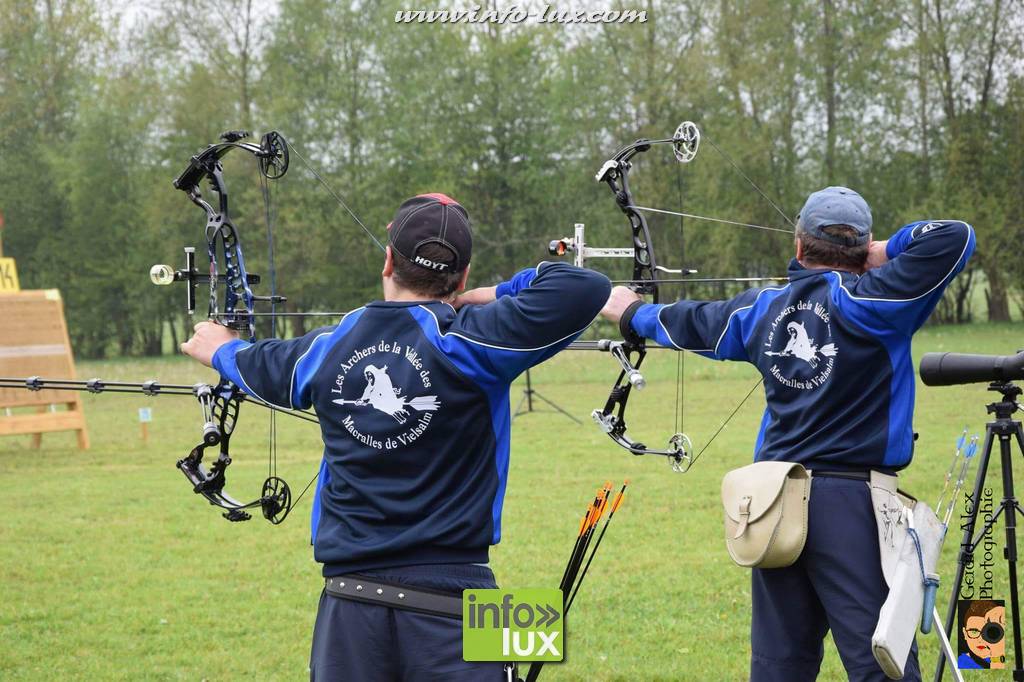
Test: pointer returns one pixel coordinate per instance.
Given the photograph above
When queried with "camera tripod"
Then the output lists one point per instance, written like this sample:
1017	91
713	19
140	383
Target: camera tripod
529	393
1005	428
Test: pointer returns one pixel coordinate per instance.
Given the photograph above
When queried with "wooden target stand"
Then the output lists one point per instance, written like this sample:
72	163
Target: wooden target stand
34	342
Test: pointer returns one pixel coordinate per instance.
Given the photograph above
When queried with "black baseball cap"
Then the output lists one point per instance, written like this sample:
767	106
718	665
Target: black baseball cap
432	219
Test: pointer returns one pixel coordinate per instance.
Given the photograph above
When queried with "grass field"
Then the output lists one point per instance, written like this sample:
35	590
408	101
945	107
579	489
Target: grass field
112	569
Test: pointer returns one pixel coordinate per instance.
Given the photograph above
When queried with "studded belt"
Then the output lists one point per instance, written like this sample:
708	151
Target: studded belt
368	590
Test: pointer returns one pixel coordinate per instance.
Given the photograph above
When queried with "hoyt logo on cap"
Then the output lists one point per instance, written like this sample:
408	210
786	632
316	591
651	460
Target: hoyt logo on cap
432	219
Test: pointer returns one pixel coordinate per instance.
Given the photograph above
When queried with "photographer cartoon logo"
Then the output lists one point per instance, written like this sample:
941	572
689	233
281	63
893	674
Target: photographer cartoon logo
389	379
982	634
801	337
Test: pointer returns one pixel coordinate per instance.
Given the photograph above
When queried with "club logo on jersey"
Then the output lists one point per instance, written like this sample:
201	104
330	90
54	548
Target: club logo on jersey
800	345
381	394
412	413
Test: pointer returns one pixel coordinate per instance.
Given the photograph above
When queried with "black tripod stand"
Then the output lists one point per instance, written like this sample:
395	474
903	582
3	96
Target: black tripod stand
1005	428
529	394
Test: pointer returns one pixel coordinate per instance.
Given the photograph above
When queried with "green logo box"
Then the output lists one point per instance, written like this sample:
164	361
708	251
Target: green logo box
513	625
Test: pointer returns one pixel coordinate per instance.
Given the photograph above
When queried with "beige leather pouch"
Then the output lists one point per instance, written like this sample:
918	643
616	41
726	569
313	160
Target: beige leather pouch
766	513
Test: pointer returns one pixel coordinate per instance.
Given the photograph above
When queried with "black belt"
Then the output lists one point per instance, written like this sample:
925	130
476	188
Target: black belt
360	588
851	475
856	476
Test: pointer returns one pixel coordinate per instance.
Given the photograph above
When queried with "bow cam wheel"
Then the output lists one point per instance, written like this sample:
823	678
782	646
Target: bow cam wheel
276	501
686	141
681	452
274	158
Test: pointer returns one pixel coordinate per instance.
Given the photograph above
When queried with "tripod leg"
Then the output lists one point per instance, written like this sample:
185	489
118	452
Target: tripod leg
947	648
529	392
557	408
519	408
966	547
1010	504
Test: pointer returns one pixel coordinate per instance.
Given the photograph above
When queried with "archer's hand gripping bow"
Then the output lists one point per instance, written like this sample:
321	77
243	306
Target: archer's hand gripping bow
220	404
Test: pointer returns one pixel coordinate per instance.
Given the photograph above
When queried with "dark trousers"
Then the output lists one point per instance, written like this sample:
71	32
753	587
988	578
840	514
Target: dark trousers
836	584
356	642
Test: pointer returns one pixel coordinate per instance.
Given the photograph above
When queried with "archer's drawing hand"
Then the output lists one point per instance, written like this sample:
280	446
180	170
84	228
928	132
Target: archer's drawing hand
208	337
620	299
876	255
479	296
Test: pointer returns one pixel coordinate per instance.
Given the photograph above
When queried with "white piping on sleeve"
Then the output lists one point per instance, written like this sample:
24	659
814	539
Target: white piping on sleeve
490	345
727	323
733	313
967	242
671	340
291	383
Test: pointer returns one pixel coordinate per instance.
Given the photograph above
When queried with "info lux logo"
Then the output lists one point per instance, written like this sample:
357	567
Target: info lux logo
512	625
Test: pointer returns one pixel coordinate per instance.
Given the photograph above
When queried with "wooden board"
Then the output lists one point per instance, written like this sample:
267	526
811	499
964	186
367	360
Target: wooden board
34	342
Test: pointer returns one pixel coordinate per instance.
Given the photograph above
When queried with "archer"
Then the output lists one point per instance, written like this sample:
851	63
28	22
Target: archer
412	393
833	348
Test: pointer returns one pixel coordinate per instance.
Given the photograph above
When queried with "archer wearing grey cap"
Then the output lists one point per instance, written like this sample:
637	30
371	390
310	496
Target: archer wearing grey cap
833	348
834	228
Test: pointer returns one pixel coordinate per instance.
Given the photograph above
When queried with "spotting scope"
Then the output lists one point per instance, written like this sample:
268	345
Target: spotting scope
950	369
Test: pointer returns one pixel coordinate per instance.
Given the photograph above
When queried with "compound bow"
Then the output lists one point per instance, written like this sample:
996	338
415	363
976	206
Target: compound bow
220	404
632	349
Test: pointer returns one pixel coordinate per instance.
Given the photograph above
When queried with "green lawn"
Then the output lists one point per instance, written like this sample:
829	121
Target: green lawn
112	569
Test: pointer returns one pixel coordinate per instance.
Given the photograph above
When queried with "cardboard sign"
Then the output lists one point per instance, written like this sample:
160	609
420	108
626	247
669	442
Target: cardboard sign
8	276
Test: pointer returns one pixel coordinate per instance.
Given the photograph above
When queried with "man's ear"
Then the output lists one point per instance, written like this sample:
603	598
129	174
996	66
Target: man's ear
799	249
389	263
465	278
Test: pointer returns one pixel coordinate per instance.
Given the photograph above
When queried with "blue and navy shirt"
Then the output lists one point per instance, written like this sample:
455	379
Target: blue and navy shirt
413	401
833	348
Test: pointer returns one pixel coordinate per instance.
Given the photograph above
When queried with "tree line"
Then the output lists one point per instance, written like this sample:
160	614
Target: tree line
918	104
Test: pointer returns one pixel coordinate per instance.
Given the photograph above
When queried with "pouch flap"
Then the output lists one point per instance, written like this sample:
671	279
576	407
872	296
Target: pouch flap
762	482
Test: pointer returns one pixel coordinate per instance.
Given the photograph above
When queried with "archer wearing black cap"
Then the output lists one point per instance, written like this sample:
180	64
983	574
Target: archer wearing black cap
430	246
412	393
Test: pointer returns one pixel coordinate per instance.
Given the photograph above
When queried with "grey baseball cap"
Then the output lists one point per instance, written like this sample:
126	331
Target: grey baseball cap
836	206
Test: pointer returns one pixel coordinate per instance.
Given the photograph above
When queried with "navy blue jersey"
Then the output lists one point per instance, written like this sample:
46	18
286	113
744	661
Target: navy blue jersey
413	401
833	348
